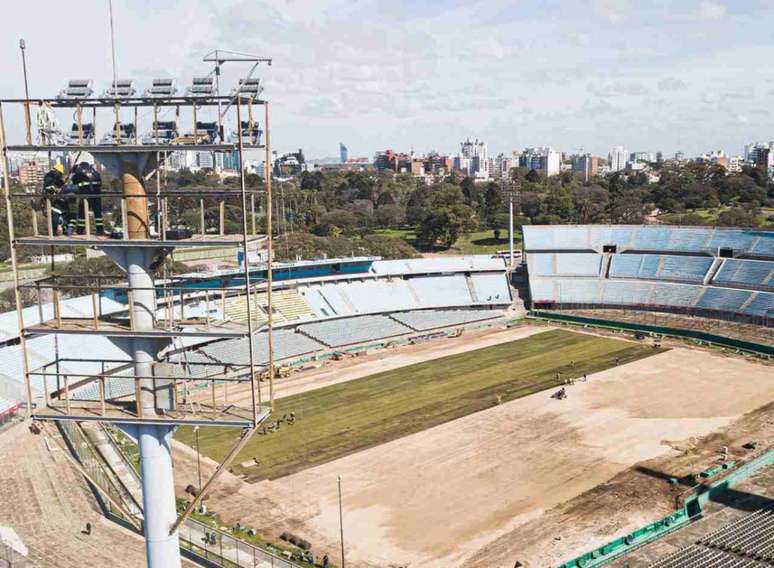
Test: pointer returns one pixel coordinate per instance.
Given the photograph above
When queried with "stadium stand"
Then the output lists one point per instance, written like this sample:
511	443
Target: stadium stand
746	273
660	267
491	289
683	269
287	343
8	408
594	238
439	265
747	541
375	296
288	306
441	291
424	320
70	308
580	264
337	333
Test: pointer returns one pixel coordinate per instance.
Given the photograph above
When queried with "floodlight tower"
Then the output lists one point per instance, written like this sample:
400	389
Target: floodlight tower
160	399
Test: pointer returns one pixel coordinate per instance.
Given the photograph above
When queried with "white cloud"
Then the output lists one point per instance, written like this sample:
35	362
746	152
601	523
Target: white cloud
711	11
614	10
671	84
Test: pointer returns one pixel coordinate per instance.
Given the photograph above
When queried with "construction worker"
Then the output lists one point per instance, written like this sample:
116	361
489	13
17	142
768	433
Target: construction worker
88	181
53	184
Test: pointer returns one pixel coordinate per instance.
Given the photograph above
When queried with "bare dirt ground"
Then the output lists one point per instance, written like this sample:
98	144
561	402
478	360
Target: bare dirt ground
500	485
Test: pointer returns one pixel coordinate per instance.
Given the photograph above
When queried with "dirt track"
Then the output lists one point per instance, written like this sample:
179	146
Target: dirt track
454	495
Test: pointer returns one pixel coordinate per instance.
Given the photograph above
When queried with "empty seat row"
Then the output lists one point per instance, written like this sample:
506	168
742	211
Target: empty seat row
341	332
660	267
287	343
438	264
424	320
757	273
572	264
648	238
654	294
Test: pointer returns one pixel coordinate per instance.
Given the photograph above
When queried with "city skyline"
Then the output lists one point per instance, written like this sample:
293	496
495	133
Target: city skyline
655	76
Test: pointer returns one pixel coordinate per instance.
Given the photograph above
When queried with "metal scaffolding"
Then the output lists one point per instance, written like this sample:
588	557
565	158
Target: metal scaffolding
165	394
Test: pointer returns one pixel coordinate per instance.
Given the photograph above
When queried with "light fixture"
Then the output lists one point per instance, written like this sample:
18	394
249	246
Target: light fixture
250	87
161	88
121	89
77	89
202	87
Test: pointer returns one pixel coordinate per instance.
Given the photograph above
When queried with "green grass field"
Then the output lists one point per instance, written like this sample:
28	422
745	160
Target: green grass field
338	420
480	242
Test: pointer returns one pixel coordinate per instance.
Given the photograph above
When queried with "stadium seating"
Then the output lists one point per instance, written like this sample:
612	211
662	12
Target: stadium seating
441	291
376	296
438	265
7	407
491	288
723	299
746	273
424	320
589	238
287	343
288	306
660	267
562	269
576	264
338	333
317	301
747	541
762	305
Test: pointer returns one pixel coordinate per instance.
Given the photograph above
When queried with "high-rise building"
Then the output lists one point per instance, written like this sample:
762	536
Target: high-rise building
343	153
542	159
617	158
645	157
734	164
752	151
585	165
473	159
31	174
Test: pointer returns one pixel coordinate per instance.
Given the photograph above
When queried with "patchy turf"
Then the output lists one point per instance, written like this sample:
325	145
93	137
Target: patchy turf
348	417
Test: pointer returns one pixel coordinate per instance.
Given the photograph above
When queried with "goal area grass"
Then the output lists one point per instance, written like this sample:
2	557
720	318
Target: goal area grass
337	420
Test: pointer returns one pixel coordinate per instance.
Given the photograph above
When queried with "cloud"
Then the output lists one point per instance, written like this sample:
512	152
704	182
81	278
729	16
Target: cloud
711	11
614	10
671	84
618	89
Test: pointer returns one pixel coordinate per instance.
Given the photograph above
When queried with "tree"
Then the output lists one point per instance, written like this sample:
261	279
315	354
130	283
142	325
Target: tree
336	222
448	217
737	217
493	204
533	176
389	216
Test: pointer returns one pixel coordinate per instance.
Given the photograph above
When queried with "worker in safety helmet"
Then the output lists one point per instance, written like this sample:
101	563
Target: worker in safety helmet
87	180
53	185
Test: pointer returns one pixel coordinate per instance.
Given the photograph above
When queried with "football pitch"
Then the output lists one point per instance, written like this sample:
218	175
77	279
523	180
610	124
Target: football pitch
348	417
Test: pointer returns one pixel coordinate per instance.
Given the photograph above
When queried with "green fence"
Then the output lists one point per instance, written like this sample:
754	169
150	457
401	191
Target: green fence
690	511
697	336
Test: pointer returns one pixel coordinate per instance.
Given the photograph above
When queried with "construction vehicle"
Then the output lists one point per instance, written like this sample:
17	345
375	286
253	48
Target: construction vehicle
280	372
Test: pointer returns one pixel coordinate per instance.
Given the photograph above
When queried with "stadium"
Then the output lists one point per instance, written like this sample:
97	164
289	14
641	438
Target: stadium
426	392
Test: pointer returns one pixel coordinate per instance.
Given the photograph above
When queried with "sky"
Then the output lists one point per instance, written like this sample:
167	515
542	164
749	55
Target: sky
688	75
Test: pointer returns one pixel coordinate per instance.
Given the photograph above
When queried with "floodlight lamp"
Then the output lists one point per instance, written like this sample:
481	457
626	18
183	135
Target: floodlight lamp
77	89
121	89
161	88
202	87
